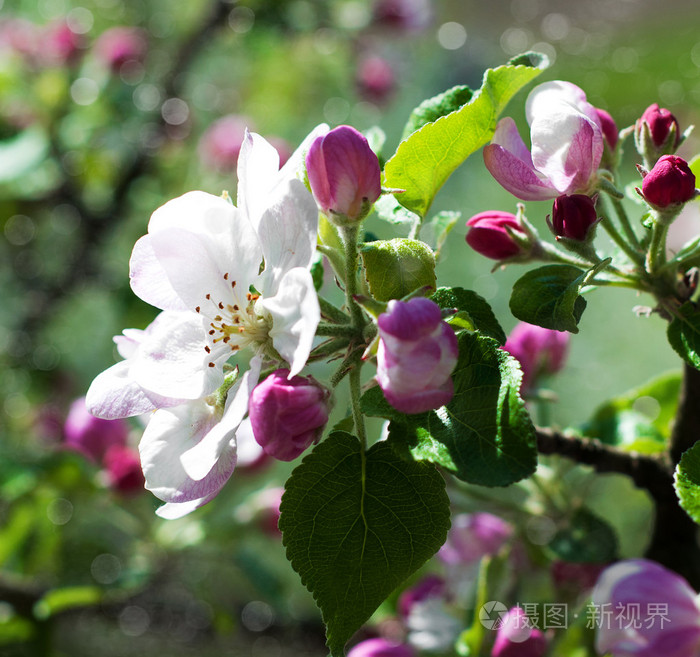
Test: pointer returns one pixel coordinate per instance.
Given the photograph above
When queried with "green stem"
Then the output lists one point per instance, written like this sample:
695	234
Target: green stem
331	312
355	393
350	234
608	225
656	255
346	330
626	225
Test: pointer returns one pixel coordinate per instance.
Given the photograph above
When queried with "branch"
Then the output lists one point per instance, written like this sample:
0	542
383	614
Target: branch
650	472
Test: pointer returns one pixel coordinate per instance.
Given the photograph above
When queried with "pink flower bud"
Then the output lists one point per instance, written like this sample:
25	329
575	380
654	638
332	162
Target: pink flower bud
540	351
287	415
123	468
660	122
381	648
375	79
90	435
608	126
221	142
654	612
670	182
402	15
573	216
488	235
119	45
517	637
431	586
473	536
343	173
416	355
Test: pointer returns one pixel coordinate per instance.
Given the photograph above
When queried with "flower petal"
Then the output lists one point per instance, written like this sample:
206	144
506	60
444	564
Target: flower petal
287	232
148	279
114	394
295	316
258	168
169	434
172	360
199	461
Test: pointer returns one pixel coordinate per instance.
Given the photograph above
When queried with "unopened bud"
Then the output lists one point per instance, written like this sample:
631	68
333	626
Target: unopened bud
573	216
344	174
489	235
670	182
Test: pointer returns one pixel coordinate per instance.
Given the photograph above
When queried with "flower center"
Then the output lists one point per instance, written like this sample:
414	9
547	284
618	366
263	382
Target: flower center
234	322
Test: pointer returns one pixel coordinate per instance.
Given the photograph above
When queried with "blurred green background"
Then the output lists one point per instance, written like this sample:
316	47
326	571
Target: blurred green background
88	151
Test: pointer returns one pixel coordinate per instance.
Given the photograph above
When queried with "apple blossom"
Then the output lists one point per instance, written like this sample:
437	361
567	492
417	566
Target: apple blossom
491	234
567	145
473	536
416	355
123	470
670	182
517	637
92	436
573	216
662	125
643	585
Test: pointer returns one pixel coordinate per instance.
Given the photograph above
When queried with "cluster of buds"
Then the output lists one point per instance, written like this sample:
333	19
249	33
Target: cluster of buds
104	442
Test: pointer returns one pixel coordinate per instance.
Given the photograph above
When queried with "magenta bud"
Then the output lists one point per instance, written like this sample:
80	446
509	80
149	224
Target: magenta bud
119	45
660	122
287	415
517	637
344	174
90	435
402	15
608	126
123	468
670	182
431	586
541	351
416	355
635	591
573	216
375	79
379	647
488	234
473	536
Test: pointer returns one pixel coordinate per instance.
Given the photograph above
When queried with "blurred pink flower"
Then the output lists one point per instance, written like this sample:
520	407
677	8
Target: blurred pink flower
90	435
118	45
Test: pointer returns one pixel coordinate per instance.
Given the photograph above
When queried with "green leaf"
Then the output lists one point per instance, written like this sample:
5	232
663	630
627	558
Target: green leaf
687	482
425	160
389	209
439	227
484	435
397	267
70	597
22	154
433	108
356	526
549	296
586	539
641	419
683	334
475	309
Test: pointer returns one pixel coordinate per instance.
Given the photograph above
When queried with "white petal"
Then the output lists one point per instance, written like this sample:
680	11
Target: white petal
148	279
199	460
113	394
169	434
287	232
295	316
197	212
197	265
258	167
295	166
172	360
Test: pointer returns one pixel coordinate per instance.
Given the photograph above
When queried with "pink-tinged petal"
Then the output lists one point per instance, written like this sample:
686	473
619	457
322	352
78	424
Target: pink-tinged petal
169	434
258	168
508	136
172	360
517	176
148	279
114	394
199	461
287	232
543	96
128	343
295	316
567	148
